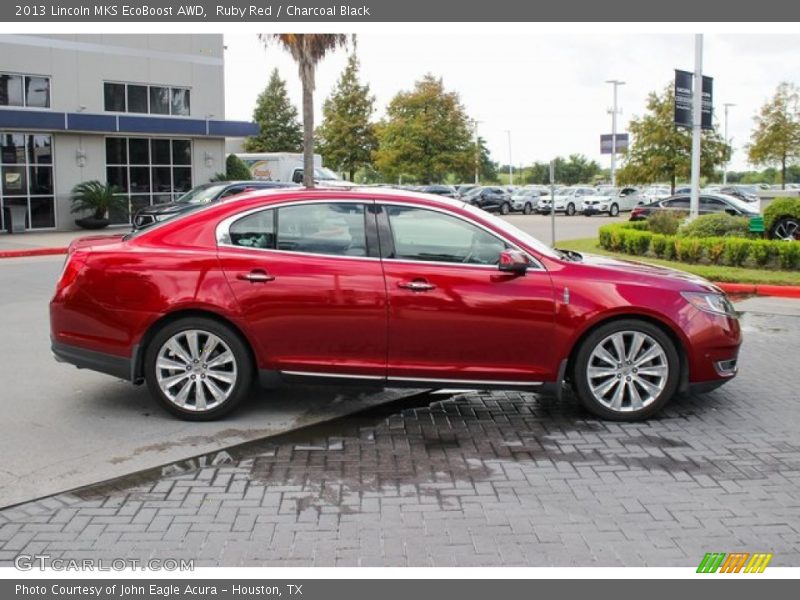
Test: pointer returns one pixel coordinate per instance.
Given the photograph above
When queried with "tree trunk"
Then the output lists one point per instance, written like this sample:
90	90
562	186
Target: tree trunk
674	177
352	174
308	133
783	172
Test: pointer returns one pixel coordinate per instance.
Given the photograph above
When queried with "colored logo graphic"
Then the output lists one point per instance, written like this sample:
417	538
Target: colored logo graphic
737	562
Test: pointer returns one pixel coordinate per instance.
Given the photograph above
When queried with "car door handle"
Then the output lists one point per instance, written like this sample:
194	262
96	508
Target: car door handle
417	285
255	276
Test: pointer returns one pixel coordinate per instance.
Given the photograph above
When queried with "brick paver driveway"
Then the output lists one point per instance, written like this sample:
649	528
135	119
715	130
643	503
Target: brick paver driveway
472	479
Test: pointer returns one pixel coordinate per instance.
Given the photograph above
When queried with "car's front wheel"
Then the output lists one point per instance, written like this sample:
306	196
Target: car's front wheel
198	369
527	209
613	210
626	370
786	229
505	208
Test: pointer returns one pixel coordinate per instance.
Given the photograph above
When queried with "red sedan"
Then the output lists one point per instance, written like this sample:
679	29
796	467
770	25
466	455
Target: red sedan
385	287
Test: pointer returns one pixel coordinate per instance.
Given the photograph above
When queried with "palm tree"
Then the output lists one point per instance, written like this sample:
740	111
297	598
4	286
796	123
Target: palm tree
307	50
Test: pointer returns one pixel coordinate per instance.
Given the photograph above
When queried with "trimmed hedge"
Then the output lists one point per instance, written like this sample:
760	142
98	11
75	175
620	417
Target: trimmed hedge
716	225
781	207
634	238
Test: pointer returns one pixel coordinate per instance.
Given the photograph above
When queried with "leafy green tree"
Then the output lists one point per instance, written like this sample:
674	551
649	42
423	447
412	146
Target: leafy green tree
576	169
488	167
426	135
307	49
776	137
538	173
277	118
346	138
660	151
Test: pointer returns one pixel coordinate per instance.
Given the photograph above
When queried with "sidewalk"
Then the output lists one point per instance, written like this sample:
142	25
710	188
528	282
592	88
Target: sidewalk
55	241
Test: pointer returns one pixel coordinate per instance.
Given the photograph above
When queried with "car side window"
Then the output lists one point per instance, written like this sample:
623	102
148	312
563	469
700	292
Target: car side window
232	192
323	228
712	204
682	202
427	235
256	230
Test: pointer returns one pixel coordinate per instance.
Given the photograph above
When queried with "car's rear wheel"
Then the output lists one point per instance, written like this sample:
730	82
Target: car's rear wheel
527	209
786	229
198	369
613	210
505	208
570	209
626	370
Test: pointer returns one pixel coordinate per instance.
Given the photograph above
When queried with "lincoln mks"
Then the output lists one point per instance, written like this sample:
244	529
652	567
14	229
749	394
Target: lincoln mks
386	287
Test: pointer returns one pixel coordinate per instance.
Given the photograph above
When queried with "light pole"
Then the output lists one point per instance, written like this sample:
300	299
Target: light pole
697	125
477	152
614	112
510	167
727	105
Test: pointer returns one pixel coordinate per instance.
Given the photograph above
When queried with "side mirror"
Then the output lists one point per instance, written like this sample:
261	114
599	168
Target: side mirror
513	261
297	177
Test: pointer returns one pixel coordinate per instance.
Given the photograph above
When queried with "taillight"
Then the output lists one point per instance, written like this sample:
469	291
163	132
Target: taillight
72	268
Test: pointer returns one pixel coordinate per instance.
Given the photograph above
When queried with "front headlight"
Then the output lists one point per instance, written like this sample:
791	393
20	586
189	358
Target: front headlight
710	302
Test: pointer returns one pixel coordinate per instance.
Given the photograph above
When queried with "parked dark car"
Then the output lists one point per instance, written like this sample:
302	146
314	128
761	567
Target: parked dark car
447	191
490	199
709	203
743	192
199	196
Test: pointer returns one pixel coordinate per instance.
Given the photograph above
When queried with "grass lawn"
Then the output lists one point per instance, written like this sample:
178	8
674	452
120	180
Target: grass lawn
710	272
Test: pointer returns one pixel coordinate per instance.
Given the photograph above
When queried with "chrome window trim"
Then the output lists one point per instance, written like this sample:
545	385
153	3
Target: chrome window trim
538	266
222	231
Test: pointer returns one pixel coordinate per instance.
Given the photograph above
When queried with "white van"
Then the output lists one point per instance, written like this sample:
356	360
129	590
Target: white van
287	167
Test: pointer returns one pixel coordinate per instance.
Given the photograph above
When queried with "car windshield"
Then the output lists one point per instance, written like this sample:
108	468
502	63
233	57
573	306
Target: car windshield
510	229
201	194
322	174
473	192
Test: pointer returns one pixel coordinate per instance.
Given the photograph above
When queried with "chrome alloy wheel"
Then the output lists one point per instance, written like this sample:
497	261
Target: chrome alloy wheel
627	371
196	370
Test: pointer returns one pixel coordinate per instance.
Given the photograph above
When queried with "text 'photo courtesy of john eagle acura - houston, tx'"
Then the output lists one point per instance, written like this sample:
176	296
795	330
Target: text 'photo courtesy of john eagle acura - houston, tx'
386	287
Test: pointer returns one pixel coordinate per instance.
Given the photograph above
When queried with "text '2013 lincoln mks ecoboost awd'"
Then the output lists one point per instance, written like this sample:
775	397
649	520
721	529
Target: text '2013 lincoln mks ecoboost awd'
383	286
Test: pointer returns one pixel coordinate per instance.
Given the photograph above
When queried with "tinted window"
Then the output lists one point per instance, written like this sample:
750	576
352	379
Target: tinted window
712	204
427	235
37	92
114	95
137	98
180	102
325	228
10	90
254	231
682	202
159	100
238	189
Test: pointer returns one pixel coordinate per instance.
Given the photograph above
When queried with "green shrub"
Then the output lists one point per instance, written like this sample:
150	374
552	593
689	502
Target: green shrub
781	207
713	248
688	249
736	251
637	242
669	248
665	221
788	255
716	225
762	252
658	243
235	170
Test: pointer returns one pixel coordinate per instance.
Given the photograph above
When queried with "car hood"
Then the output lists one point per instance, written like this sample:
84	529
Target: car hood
648	273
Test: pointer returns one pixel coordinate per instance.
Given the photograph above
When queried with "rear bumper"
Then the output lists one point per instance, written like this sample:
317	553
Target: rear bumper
82	358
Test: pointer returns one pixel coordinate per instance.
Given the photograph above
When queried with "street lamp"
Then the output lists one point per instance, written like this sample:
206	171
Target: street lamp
510	167
727	105
614	112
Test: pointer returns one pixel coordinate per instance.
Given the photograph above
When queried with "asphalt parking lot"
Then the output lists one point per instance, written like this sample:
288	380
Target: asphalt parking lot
470	479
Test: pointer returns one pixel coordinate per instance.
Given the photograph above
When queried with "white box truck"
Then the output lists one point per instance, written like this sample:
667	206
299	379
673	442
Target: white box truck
287	167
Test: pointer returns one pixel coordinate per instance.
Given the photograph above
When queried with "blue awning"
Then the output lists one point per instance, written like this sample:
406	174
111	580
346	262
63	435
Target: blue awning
38	120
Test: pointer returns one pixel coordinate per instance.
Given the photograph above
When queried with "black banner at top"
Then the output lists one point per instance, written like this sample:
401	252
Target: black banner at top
684	84
344	11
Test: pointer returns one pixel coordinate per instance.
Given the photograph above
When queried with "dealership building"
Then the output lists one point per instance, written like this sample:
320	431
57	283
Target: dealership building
145	113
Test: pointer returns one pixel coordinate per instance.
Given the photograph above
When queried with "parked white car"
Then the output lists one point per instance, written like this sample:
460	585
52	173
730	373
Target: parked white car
568	200
656	192
612	201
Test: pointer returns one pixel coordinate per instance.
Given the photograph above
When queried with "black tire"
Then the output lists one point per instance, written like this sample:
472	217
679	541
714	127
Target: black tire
580	378
570	210
785	228
613	210
238	348
505	208
527	209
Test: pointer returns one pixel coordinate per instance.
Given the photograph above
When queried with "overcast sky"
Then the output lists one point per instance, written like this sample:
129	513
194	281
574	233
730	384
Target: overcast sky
548	90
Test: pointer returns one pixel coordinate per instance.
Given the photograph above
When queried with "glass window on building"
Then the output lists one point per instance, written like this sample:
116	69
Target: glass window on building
31	91
26	177
146	99
147	171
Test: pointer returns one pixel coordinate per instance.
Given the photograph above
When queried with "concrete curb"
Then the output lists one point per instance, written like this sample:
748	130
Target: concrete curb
754	289
32	252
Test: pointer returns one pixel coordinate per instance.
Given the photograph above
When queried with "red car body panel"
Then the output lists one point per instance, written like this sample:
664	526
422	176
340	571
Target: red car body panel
347	316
